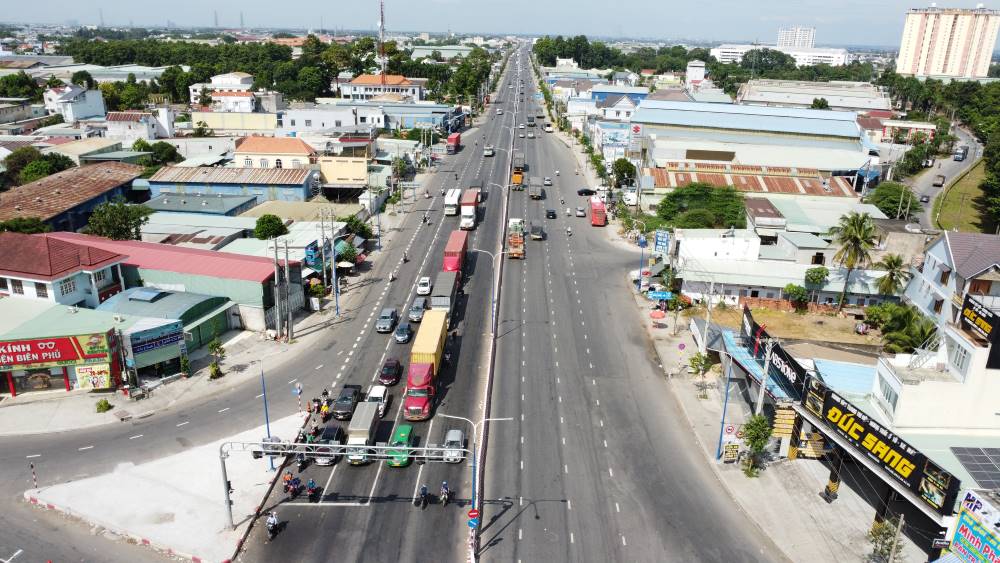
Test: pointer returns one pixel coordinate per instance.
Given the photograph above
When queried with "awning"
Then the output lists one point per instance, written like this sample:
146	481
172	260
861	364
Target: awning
306	272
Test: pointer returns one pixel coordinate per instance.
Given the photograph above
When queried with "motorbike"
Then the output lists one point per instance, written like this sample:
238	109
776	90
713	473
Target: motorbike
312	493
301	462
568	212
272	530
445	496
293	488
557	172
423	499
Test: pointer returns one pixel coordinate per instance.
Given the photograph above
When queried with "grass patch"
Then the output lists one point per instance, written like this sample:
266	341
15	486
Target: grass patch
960	206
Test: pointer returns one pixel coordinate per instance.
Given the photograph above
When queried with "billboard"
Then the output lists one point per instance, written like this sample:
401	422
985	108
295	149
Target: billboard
56	351
978	319
783	366
904	463
973	542
97	376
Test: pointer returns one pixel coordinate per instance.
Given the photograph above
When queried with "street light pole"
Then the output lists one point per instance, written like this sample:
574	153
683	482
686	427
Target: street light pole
336	284
493	290
267	419
475	449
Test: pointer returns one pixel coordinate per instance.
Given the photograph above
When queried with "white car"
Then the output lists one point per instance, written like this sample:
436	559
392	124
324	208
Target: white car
531	134
547	181
521	135
454	443
521	126
424	286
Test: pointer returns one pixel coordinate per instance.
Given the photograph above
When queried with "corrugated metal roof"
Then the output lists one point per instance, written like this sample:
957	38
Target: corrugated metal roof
61	320
204	175
972	253
747	118
128	116
165	305
152	256
776	274
65	190
45	259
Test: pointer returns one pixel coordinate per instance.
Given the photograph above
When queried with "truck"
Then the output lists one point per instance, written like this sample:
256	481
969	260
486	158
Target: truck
454	142
531	121
361	433
425	364
535	187
961	153
451	200
515	238
454	252
469	204
939	180
517	176
598	213
445	290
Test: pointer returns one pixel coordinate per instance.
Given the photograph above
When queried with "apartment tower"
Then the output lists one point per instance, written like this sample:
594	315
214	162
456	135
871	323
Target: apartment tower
948	42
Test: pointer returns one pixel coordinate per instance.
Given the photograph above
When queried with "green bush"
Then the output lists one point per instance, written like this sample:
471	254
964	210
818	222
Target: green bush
103	406
214	371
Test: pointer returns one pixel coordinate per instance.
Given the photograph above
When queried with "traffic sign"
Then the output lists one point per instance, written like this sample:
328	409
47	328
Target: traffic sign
661	242
730	429
658	295
473	514
473	523
642	241
409	184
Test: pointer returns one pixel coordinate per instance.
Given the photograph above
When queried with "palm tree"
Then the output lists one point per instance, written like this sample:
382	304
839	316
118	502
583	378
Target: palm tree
912	330
855	234
896	274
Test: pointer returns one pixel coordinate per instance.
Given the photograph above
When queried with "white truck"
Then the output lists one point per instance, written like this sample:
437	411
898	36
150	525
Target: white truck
361	433
451	200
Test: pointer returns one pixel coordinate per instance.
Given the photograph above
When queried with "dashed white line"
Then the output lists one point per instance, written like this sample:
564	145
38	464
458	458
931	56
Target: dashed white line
560	420
617	508
602	423
85	448
571	538
623	541
136	437
259	396
569	504
522	464
611	472
293	381
319	367
519	533
224	410
183	423
564	440
565	468
605	443
32	456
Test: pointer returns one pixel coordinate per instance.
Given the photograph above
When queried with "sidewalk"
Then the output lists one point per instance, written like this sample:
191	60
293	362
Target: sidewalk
784	499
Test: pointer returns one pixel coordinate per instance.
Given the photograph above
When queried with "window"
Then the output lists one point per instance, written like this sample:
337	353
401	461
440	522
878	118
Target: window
979	287
958	357
769	294
337	123
618	114
41	290
99	276
67	286
263	163
293	123
888	393
277	163
17	287
309	123
945	276
296	163
209	147
363	119
938	303
3	284
818	258
247	162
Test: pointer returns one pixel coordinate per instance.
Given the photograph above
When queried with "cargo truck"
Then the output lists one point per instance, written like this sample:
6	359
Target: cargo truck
454	252
445	290
469	205
515	239
361	433
517	176
425	364
535	187
598	213
454	143
451	200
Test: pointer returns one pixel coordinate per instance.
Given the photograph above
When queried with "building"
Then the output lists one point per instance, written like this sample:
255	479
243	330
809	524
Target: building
402	115
102	74
695	72
804	56
368	86
74	103
229	83
953	266
903	131
842	96
616	108
265	184
57	271
236	123
329	118
273	152
202	317
611	139
219	204
130	126
601	92
75	150
771	214
240	102
797	36
624	78
447	52
15	109
948	42
65	200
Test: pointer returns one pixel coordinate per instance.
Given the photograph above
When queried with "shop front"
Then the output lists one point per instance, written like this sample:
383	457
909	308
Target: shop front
86	361
153	349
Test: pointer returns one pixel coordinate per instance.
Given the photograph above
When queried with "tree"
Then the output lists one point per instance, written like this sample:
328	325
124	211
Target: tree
885	542
118	220
201	130
695	219
218	353
18	159
855	235
269	226
756	434
164	152
399	168
820	103
347	253
623	171
54	82
20	85
816	277
35	171
896	274
895	199
204	97
84	79
797	294
356	226
25	225
724	204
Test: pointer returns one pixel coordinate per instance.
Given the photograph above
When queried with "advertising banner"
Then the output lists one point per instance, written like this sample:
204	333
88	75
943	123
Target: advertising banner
978	319
898	459
57	351
783	366
973	542
97	376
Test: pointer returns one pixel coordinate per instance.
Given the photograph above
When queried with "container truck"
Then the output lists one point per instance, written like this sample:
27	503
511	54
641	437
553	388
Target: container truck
361	433
598	213
454	252
535	187
445	290
517	176
451	200
425	364
454	142
469	204
421	389
515	238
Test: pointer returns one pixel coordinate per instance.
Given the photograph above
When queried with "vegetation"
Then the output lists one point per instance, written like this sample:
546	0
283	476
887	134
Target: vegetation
218	353
163	152
885	542
797	294
185	366
357	226
700	205
624	172
27	164
962	206
816	277
269	226
820	103
897	273
347	254
895	200
25	225
756	434
201	129
903	327
104	406
855	235
20	85
118	220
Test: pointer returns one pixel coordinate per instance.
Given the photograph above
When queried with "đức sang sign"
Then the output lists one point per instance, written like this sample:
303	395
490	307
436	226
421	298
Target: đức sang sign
981	322
900	460
57	351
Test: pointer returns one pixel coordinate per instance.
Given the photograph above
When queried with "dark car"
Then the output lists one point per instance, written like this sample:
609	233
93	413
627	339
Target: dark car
349	396
403	333
586	191
536	232
550	213
391	371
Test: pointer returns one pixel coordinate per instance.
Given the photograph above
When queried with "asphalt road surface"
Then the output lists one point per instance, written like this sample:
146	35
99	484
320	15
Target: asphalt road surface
923	185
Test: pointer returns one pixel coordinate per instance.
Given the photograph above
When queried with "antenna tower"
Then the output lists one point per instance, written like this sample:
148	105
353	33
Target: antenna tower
381	39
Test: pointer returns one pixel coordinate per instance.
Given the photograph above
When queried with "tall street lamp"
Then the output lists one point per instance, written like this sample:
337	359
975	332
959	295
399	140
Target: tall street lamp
475	449
267	419
493	289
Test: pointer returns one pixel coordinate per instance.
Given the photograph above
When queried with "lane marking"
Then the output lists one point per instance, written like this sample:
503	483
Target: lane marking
319	367
293	381
224	410
605	443
522	464
617	508
32	456
571	538
519	533
85	448
611	472
183	423
623	540
569	504
136	437
259	396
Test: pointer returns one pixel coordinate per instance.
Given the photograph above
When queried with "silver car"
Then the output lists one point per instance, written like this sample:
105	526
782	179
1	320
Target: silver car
454	443
386	320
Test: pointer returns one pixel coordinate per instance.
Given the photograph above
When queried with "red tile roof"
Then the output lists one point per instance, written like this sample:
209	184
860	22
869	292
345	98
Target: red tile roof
128	115
273	145
64	190
42	258
192	261
376	80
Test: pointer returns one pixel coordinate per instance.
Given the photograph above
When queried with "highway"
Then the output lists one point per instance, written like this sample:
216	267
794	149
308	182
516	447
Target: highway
923	185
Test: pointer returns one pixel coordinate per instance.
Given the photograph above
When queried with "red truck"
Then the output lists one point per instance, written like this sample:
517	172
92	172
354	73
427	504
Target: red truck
598	213
454	142
454	251
425	363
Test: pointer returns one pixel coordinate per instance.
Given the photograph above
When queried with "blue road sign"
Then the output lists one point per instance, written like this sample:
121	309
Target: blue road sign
662	242
473	523
658	295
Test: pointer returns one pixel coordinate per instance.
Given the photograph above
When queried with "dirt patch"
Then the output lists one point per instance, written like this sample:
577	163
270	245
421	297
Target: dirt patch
800	326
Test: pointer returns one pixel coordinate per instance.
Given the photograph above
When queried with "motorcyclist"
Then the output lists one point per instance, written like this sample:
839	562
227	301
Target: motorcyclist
557	172
287	478
445	491
405	259
325	394
272	520
569	231
311	485
324	411
315	426
423	494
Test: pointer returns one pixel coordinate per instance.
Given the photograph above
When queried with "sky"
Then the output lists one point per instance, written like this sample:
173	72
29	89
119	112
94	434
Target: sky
837	22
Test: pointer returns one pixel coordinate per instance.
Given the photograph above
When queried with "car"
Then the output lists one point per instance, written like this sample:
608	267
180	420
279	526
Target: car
536	232
416	313
550	213
454	443
531	134
402	438
586	192
379	394
386	320
547	181
521	135
332	435
343	407
499	111
403	333
391	372
511	87
581	212
925	199
521	126
424	286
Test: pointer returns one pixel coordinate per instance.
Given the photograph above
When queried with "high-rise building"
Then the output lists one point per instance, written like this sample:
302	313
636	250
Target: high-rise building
948	42
797	36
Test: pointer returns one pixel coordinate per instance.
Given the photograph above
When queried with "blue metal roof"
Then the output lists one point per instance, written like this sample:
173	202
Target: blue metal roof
748	118
846	378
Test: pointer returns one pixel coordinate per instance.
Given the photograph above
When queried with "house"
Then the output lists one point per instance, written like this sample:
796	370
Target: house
397	115
91	146
624	78
601	92
266	184
327	117
65	200
241	102
695	72
57	271
74	103
226	205
15	109
368	86
229	83
618	107
447	52
273	152
953	266
893	130
130	126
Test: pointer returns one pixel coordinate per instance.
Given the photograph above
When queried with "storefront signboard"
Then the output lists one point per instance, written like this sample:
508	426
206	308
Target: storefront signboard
973	542
782	363
897	458
57	351
96	376
981	321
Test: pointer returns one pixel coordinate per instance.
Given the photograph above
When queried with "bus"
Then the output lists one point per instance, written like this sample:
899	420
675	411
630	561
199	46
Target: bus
451	201
598	215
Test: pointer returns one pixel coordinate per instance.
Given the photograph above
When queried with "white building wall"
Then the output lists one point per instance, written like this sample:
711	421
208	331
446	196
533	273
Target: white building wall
129	131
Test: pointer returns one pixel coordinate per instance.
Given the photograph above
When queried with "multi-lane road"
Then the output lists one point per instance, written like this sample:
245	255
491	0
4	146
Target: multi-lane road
596	463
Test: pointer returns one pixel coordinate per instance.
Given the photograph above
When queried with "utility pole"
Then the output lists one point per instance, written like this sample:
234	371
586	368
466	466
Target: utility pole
277	291
759	407
322	245
895	538
288	302
708	317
